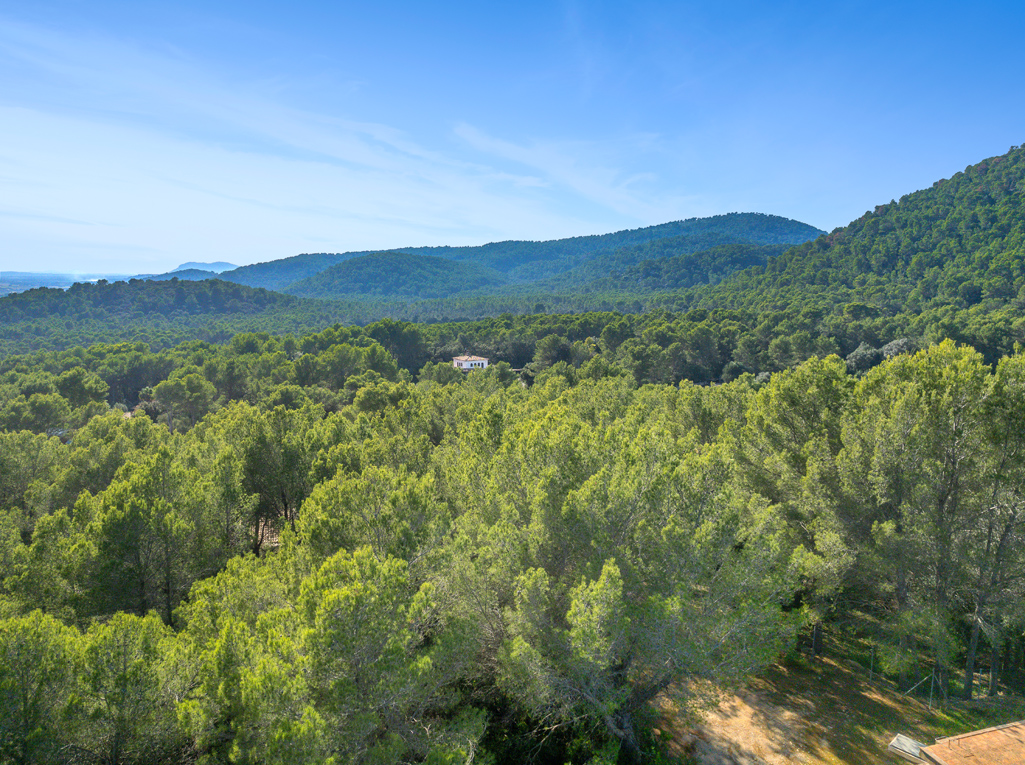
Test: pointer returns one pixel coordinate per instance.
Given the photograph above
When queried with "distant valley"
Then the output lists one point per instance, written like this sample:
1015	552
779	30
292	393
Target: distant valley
19	281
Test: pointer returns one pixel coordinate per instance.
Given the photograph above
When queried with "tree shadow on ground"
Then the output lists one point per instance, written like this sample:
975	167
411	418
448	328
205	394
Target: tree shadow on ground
817	711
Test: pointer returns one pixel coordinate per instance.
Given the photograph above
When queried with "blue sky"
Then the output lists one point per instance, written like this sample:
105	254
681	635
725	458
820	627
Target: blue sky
135	136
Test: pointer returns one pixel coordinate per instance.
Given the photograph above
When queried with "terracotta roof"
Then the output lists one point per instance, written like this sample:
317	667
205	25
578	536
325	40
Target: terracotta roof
1002	745
469	358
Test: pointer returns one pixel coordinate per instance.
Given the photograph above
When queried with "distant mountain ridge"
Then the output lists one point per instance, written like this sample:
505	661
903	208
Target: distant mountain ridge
515	268
19	281
185	274
524	260
517	262
216	267
278	274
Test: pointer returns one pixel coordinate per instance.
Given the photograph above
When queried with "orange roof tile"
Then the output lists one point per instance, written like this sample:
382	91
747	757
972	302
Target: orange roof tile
1001	745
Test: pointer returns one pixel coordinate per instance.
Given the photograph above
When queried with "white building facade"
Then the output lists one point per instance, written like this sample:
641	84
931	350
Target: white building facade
466	363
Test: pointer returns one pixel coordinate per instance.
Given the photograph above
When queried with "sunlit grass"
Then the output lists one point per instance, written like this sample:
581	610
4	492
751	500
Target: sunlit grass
826	711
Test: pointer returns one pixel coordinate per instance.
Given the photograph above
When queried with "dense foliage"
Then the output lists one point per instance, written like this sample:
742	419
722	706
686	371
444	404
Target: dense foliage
531	261
138	297
289	551
663	266
943	262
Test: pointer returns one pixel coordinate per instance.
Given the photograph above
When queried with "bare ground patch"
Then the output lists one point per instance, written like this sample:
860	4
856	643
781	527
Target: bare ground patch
819	712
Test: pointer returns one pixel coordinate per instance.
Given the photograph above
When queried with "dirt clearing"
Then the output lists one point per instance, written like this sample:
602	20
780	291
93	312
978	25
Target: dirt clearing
819	712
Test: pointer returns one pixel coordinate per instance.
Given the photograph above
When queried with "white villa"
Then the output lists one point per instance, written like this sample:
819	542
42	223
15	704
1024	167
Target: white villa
466	363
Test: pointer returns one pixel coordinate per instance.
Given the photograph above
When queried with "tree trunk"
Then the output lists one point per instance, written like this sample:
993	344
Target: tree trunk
289	514
257	536
1005	662
620	724
903	681
902	605
629	750
969	667
816	639
994	668
167	604
140	584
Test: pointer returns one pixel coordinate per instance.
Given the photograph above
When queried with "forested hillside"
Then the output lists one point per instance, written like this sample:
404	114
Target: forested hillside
160	313
954	253
397	275
523	261
621	271
958	243
369	286
530	261
946	260
663	266
278	274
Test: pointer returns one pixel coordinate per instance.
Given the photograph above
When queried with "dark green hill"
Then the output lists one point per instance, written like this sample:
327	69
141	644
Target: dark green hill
161	313
526	261
944	262
278	274
658	266
709	266
960	243
397	275
529	261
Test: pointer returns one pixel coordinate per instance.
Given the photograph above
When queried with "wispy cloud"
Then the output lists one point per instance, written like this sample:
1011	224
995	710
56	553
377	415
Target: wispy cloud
578	166
165	155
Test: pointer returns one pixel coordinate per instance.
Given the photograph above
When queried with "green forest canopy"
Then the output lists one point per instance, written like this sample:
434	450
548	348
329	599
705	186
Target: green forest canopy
466	564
